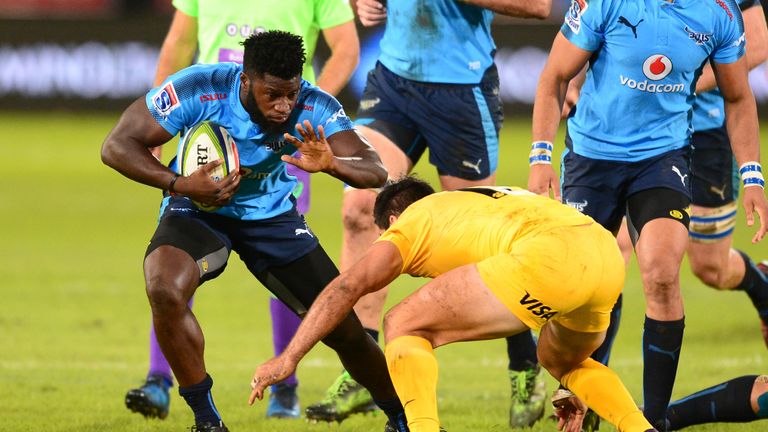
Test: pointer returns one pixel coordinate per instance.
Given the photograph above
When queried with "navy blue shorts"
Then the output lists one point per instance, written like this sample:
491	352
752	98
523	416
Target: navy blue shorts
715	175
209	238
459	123
601	188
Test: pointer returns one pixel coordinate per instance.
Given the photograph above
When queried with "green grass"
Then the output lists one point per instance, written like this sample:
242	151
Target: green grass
74	319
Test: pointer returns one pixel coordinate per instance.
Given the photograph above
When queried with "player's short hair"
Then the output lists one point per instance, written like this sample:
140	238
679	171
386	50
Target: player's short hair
396	196
274	52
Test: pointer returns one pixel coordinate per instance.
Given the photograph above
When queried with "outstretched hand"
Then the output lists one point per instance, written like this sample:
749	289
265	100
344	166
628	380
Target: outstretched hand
271	372
755	202
569	410
542	179
316	153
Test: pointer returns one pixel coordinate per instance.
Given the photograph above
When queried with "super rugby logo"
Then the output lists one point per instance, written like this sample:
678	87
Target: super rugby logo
699	38
165	100
573	17
657	67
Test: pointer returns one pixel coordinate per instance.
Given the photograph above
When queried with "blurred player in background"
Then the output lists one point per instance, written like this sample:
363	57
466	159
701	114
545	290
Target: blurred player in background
270	112
629	141
434	86
215	29
491	252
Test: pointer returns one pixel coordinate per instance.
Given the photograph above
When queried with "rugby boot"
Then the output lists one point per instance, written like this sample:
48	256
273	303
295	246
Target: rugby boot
283	402
344	398
150	400
209	427
528	397
390	428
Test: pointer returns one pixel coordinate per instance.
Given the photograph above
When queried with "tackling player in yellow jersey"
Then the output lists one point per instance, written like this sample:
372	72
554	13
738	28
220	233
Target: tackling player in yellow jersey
503	261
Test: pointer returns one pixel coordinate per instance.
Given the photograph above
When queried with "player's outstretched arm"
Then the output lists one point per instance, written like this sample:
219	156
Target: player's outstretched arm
742	125
344	155
378	267
516	8
564	62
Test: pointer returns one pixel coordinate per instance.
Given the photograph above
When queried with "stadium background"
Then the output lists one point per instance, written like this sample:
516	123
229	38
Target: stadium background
73	313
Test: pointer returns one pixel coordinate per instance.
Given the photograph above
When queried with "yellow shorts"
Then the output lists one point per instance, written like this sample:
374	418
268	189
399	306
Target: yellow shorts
572	275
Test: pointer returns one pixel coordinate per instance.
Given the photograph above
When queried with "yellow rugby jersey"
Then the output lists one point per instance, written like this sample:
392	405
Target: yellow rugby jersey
449	229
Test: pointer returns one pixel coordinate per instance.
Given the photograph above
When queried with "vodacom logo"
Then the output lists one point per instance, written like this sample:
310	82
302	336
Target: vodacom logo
657	67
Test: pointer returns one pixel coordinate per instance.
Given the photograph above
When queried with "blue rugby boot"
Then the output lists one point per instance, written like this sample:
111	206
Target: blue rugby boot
283	402
152	399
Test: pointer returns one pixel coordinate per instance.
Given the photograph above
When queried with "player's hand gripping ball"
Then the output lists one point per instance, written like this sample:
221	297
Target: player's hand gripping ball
204	143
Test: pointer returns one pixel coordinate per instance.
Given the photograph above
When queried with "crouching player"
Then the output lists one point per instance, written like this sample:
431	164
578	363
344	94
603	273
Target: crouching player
499	259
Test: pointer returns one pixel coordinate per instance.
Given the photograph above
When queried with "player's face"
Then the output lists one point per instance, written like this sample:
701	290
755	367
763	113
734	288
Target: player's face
268	99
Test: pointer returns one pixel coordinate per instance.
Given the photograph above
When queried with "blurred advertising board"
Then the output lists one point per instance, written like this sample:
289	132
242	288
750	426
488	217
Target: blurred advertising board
105	63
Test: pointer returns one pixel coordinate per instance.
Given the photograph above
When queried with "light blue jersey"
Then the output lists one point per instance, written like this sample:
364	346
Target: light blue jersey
437	41
709	108
211	92
637	98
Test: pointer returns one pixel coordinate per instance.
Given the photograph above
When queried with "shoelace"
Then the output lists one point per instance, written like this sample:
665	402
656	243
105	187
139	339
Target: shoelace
521	385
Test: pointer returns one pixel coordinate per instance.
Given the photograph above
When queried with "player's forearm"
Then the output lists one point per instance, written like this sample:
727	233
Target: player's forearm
550	95
743	129
362	170
516	8
329	309
337	71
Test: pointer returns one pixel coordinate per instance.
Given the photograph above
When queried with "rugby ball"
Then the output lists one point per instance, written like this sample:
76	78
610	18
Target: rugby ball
204	143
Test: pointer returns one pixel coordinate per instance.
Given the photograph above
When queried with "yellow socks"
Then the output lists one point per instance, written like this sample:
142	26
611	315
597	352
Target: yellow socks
602	390
413	368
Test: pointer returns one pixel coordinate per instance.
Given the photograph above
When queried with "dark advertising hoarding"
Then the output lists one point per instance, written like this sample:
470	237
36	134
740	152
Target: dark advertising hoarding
107	63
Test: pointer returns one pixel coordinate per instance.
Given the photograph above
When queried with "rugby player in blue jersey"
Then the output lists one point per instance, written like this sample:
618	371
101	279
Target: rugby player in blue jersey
434	87
270	112
629	141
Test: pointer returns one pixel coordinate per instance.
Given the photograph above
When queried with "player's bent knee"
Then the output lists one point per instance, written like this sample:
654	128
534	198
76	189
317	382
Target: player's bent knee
357	211
711	275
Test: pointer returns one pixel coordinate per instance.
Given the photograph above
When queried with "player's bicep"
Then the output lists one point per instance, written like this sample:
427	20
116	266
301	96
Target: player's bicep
380	265
350	143
138	124
756	32
732	79
566	59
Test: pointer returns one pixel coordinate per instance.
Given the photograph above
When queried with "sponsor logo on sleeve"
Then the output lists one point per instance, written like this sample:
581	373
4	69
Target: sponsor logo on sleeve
336	115
741	40
573	17
165	100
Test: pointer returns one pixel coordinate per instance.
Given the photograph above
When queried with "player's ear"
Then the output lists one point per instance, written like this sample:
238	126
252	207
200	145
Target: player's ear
392	219
244	81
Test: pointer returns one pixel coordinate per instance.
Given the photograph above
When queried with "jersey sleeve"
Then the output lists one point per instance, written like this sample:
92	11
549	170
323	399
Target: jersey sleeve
731	43
407	234
329	113
584	24
172	104
330	13
189	7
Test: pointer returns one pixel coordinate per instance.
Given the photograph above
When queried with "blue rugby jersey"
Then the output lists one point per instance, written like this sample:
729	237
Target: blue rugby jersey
708	107
211	92
437	41
637	97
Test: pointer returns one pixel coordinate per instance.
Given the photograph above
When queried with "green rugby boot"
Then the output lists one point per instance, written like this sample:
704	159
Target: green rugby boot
528	397
344	398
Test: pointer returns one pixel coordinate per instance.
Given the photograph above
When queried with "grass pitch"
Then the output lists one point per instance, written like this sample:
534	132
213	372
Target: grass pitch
74	321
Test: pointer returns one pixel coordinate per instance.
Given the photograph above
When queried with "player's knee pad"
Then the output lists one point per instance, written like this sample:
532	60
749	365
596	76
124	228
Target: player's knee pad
714	224
657	203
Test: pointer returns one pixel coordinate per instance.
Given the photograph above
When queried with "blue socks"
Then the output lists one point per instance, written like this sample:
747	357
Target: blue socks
726	402
521	350
199	398
662	341
755	284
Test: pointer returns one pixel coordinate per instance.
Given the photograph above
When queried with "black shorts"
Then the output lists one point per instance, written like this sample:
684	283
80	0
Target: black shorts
459	123
602	188
715	175
282	252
